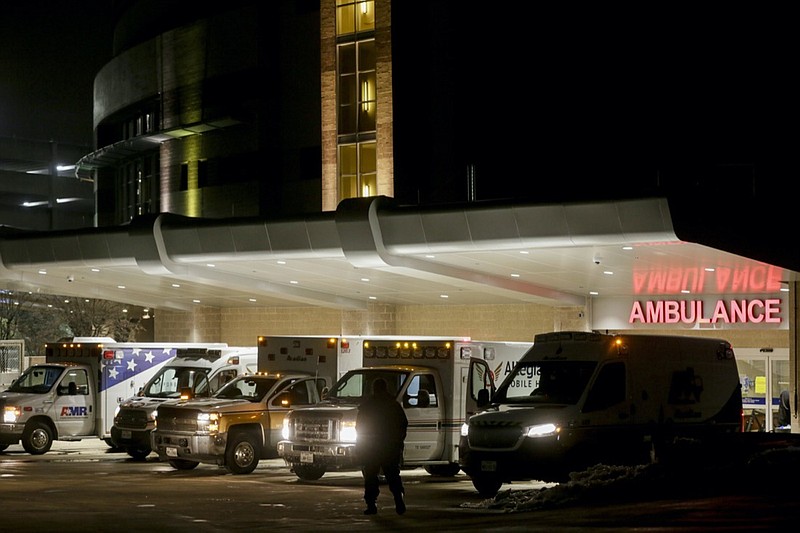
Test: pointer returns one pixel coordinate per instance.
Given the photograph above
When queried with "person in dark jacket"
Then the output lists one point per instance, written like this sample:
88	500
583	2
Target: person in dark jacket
784	410
381	427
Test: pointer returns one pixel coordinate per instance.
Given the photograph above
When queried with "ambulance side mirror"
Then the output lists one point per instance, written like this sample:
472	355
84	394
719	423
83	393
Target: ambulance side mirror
284	399
483	398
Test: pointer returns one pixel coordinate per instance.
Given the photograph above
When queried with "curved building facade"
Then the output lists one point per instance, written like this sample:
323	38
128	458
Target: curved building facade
190	117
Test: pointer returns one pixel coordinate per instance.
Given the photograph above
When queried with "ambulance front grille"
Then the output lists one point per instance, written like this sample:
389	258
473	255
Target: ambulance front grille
132	419
316	429
494	435
179	420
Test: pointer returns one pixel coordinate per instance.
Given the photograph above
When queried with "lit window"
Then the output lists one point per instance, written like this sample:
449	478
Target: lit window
357	170
354	16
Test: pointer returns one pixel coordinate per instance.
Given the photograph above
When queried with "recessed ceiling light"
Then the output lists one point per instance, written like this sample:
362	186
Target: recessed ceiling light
627	247
43	272
196	301
373	297
364	279
120	286
281	262
685	291
252	299
95	270
710	269
176	285
514	275
294	282
524	252
594	293
608	273
443	296
212	265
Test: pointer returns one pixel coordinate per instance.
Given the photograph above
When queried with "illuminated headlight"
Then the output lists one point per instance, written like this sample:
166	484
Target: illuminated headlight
348	431
465	430
541	430
208	422
11	414
153	414
285	434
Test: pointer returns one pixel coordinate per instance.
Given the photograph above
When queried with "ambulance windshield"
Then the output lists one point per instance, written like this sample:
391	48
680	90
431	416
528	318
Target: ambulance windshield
169	382
560	382
357	384
37	379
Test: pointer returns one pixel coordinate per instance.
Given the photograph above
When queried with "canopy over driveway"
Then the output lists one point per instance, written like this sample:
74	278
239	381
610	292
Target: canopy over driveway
369	250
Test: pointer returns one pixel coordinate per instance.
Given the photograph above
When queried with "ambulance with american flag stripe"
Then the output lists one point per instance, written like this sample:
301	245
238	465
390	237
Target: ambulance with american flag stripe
73	395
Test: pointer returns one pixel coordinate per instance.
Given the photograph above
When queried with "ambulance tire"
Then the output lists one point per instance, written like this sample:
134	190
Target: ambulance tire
243	453
37	438
183	464
487	486
448	470
138	454
309	472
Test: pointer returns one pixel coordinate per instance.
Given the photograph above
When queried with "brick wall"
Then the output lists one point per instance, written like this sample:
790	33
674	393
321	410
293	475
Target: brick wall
242	326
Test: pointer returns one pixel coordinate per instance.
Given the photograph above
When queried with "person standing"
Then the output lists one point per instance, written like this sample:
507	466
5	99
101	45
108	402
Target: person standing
381	427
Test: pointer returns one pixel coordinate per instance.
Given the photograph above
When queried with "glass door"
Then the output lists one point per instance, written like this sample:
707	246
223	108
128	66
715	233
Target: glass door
764	374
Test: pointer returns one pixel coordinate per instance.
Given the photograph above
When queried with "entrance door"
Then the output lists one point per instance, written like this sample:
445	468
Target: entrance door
764	374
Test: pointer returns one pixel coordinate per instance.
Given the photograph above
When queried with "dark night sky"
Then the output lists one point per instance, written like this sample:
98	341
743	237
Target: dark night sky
696	78
50	52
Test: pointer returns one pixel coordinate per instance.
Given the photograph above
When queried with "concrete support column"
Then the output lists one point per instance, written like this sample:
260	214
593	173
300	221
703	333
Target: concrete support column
794	343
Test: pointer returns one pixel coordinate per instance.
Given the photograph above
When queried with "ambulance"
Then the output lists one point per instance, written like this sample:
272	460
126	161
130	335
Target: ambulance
429	377
199	371
73	395
577	399
240	424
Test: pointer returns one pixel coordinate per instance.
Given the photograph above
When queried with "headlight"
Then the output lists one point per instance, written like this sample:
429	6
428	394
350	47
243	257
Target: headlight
116	411
153	414
465	430
208	422
347	433
285	430
11	414
541	430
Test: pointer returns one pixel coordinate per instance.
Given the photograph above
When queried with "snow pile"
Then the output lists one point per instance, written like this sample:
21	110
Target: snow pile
600	481
599	484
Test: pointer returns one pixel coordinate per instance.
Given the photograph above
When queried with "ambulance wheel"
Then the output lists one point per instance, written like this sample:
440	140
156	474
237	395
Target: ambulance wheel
448	470
309	472
138	454
37	438
487	486
243	453
182	464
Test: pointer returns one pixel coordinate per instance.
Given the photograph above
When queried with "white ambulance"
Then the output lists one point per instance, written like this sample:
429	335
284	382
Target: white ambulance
74	393
240	424
199	370
579	398
428	375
